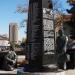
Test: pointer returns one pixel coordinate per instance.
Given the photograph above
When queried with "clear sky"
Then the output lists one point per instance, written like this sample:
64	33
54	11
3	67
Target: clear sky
7	14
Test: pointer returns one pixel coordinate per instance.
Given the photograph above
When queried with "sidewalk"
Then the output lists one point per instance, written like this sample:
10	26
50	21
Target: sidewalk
14	72
70	72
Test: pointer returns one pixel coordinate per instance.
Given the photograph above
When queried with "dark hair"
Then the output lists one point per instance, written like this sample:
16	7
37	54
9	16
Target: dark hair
60	32
50	4
11	48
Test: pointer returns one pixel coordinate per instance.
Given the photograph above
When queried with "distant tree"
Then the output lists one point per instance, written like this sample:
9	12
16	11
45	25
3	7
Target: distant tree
22	9
12	44
58	22
57	8
23	42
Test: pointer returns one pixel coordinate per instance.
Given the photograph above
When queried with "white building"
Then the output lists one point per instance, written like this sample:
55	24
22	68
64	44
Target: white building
13	33
4	41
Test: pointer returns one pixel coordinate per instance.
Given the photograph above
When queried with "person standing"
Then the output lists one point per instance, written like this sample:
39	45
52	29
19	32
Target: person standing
61	43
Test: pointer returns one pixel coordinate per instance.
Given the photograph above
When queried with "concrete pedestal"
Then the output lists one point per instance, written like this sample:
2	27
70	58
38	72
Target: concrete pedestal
67	72
21	72
43	73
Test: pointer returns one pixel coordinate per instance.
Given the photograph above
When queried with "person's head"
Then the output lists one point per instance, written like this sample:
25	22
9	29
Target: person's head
60	33
11	48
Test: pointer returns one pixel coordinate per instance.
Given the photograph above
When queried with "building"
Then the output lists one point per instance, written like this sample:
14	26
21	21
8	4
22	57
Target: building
13	33
4	42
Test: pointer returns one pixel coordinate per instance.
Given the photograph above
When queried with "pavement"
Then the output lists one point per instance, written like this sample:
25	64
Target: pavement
14	72
70	72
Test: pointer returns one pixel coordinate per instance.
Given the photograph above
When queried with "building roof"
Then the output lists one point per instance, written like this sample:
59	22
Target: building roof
67	18
3	38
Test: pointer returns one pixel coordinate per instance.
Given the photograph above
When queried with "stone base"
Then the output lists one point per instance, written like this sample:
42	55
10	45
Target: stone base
41	73
49	72
67	72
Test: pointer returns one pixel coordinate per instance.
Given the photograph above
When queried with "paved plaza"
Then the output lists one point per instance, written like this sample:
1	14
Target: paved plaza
14	72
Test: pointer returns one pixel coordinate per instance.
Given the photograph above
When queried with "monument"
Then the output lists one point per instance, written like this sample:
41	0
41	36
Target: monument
40	34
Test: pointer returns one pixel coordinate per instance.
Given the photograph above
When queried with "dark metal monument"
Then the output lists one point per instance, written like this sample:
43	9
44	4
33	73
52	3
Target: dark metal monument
35	36
40	33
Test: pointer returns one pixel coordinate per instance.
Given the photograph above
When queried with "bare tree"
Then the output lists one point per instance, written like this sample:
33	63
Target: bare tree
22	9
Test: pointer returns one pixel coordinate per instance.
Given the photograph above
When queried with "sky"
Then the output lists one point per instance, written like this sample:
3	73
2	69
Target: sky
62	5
8	14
